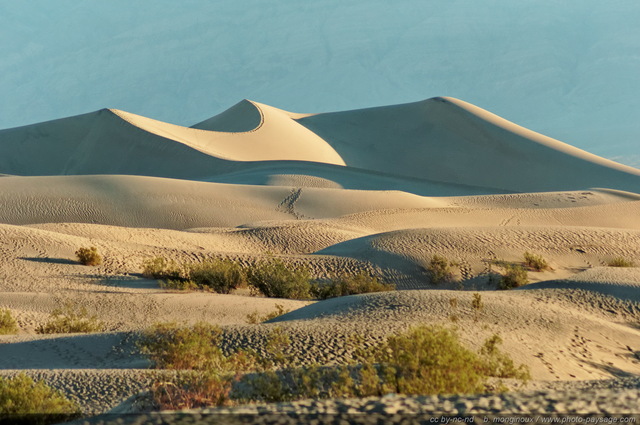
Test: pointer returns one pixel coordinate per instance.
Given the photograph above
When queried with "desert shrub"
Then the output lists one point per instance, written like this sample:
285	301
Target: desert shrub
255	317
179	284
360	283
21	398
206	373
89	256
275	279
70	319
535	262
620	262
193	389
439	269
8	324
161	268
311	381
170	346
222	276
422	360
513	277
499	364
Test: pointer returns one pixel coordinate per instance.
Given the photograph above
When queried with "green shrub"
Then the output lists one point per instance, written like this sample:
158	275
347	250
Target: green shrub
21	398
422	360
514	277
275	279
89	256
196	347
620	262
431	360
209	372
69	319
8	324
361	283
222	276
161	268
179	284
535	262
440	270
499	364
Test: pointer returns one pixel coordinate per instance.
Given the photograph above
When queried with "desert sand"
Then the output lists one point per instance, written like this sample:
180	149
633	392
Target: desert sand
380	190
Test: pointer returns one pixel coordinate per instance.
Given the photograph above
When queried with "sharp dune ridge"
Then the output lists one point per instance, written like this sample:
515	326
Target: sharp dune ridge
379	190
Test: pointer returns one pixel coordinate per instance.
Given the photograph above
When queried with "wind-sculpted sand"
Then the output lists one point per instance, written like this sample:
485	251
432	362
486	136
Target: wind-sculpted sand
378	190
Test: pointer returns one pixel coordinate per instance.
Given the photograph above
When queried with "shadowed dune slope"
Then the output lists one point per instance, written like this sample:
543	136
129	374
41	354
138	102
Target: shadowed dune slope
99	143
453	141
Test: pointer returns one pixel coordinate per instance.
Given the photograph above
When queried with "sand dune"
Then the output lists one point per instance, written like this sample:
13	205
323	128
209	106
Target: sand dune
449	140
378	190
441	139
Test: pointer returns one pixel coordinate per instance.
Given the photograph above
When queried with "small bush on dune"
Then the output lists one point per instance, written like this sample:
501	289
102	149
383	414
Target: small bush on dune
514	277
498	364
8	324
20	396
361	283
161	268
620	262
275	279
89	256
222	276
71	320
179	285
440	270
535	262
170	346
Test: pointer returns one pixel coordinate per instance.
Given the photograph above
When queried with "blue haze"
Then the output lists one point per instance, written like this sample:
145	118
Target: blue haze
568	69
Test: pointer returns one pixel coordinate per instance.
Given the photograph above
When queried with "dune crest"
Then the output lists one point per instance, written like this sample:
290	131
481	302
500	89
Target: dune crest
452	141
276	137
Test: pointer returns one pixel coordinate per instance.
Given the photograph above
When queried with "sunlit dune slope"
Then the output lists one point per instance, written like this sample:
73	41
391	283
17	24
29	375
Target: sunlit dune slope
453	141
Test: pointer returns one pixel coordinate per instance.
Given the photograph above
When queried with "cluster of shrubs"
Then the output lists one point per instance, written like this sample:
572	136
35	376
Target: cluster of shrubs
67	319
24	401
71	319
271	278
516	274
422	360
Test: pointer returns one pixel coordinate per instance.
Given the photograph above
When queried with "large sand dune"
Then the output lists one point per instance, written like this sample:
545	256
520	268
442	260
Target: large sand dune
379	190
443	140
